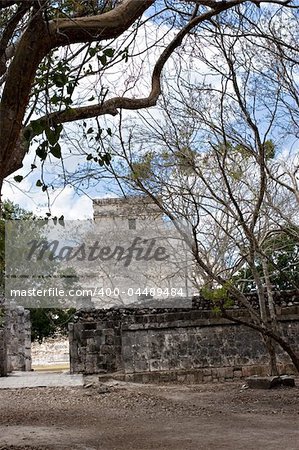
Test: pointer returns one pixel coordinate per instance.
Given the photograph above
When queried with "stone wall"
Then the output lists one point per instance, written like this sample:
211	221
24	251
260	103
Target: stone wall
18	338
147	345
3	354
52	351
95	342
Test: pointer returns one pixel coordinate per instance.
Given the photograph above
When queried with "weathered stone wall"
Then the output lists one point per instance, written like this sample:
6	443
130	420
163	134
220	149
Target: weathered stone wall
3	354
18	339
164	344
53	350
95	343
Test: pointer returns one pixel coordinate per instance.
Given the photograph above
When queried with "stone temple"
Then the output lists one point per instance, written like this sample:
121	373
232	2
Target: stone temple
126	213
138	219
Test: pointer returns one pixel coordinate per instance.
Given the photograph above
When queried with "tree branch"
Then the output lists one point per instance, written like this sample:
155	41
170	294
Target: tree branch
112	105
37	41
92	28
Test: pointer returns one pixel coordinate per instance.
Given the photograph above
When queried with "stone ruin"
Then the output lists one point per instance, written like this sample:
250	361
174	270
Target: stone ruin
149	343
15	339
152	344
122	221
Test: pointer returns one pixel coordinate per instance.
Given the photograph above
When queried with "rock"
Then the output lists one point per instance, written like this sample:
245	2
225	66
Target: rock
103	390
287	380
256	382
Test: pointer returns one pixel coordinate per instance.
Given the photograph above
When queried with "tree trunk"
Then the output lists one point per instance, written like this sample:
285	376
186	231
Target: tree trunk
1	203
272	353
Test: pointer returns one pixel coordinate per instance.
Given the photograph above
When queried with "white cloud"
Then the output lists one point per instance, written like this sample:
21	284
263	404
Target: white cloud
65	201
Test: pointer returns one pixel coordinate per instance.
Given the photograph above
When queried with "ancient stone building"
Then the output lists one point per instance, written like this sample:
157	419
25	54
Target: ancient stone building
15	340
174	344
148	342
138	221
126	213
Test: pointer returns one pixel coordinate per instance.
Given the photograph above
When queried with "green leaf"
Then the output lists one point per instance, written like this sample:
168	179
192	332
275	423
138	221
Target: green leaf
37	127
109	52
92	51
103	59
58	128
56	151
51	136
98	136
33	166
55	99
18	178
89	157
39	183
70	88
41	151
60	79
107	158
61	221
125	55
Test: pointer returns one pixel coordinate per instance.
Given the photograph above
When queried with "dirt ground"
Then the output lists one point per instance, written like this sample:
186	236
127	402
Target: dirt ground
133	416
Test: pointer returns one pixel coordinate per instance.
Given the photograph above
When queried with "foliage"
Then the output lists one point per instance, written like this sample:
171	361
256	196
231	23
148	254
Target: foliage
9	212
219	297
237	201
282	252
60	54
45	322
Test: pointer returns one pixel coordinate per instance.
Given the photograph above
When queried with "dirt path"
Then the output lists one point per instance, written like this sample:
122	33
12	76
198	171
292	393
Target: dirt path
140	417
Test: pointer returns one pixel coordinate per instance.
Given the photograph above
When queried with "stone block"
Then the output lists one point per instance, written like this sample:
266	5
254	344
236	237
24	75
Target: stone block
141	365
290	369
181	378
190	378
287	380
90	326
198	376
248	371
237	373
109	340
225	373
207	378
107	349
256	382
154	365
88	334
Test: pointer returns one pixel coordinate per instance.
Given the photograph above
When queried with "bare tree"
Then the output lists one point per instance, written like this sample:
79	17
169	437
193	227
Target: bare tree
209	158
31	30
